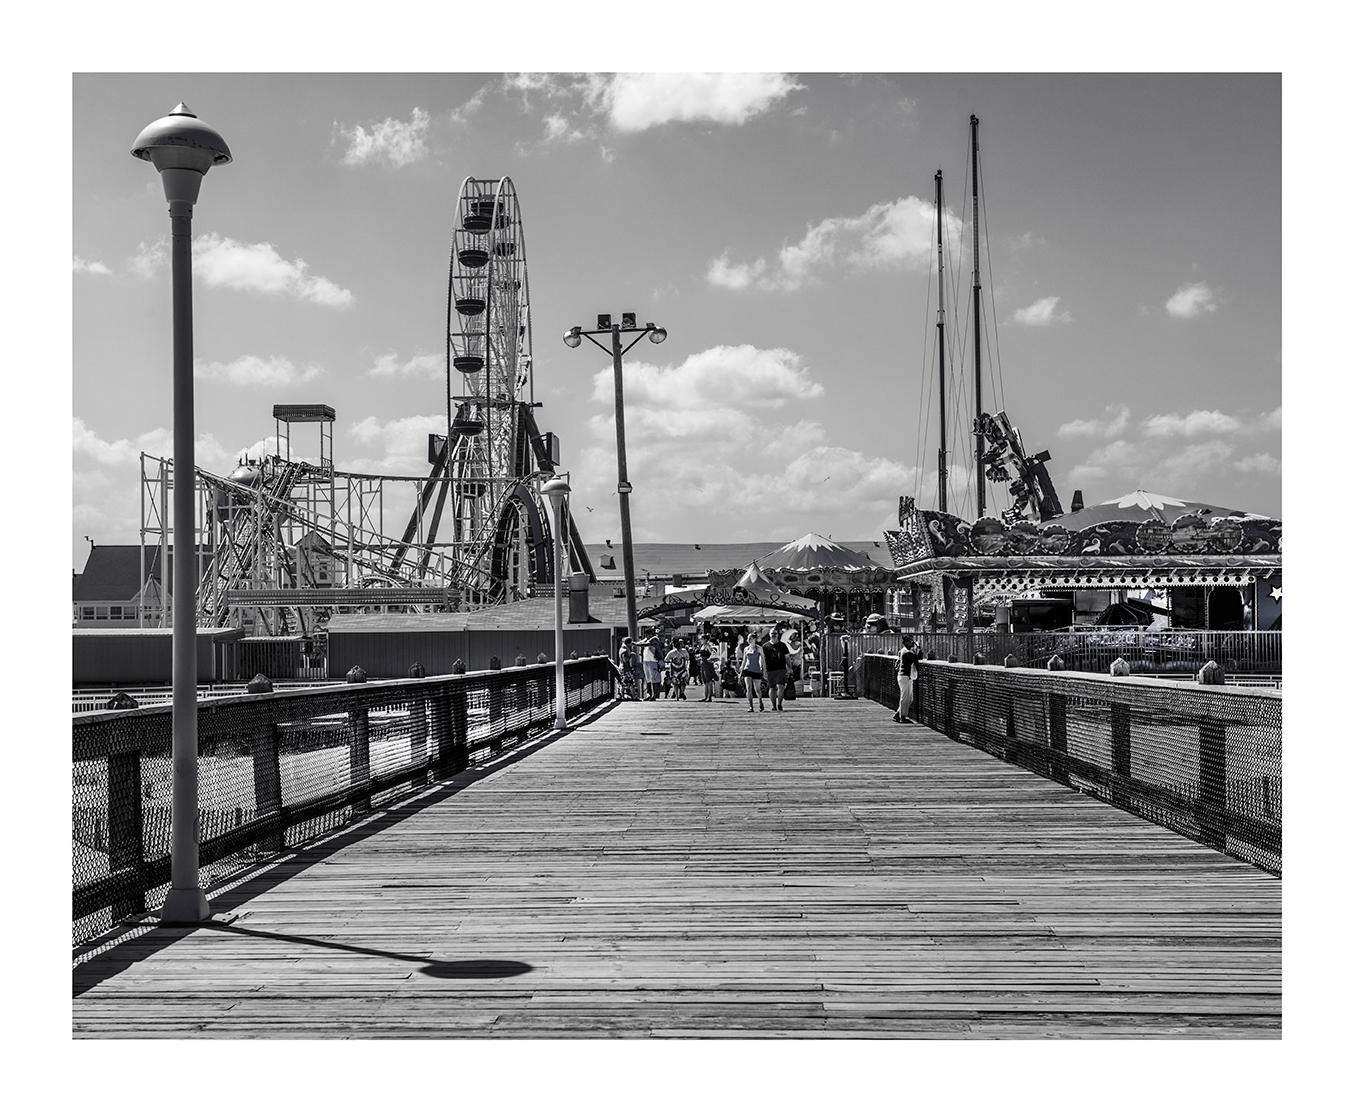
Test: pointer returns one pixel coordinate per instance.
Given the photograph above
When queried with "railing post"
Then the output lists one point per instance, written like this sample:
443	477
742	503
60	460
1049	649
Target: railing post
1121	747
359	748
268	783
1057	738
1213	769
418	725
126	846
455	749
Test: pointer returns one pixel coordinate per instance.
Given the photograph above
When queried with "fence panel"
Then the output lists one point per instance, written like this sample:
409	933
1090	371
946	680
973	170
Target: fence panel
1204	760
279	768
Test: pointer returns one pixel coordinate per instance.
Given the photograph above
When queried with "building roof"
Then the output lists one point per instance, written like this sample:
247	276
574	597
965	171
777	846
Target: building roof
527	614
694	561
113	571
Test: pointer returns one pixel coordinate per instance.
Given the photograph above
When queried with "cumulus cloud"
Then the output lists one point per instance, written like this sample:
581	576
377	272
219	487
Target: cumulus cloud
1192	299
396	143
727	436
888	235
1262	463
395	446
423	365
1113	423
87	443
1043	312
89	266
254	370
254	267
1202	422
637	101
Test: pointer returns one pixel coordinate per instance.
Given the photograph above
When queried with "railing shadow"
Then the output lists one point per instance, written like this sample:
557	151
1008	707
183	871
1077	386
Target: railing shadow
98	961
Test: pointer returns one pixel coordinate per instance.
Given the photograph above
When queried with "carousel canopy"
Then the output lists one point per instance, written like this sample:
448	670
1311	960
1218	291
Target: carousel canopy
1142	505
812	552
747	614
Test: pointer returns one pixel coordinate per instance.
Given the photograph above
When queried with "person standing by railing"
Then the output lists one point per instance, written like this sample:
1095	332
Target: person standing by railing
907	669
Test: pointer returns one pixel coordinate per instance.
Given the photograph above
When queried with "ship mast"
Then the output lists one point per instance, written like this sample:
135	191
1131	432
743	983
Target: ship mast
942	469
979	485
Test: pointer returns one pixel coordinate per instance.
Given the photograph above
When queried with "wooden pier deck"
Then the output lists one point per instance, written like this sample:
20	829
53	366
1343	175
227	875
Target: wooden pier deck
689	869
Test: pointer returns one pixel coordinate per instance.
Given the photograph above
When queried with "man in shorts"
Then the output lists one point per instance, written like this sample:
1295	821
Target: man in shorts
907	669
774	655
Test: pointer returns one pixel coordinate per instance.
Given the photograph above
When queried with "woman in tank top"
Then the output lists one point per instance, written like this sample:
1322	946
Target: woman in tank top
752	671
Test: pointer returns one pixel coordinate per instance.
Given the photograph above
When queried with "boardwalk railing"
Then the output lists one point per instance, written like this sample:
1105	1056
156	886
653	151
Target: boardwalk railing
1160	652
279	768
1204	760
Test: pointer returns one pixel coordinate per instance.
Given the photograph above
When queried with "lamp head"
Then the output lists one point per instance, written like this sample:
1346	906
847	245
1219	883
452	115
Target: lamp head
556	490
656	334
574	336
182	148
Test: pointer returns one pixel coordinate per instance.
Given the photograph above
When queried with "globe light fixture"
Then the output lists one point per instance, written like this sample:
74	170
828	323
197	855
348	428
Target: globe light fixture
573	337
182	148
557	492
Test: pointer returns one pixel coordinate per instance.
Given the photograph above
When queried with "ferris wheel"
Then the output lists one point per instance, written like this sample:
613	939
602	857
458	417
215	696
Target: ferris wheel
493	450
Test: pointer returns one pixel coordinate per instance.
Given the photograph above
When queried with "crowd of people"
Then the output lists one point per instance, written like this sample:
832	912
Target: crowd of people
763	664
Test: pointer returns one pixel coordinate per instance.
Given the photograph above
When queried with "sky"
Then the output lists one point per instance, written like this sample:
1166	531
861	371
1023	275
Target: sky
779	225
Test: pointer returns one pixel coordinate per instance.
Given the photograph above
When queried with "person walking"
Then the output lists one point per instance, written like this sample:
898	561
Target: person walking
707	670
907	669
677	663
653	671
752	671
629	667
774	655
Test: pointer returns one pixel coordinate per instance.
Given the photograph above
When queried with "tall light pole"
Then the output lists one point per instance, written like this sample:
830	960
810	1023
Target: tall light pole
623	488
557	491
182	148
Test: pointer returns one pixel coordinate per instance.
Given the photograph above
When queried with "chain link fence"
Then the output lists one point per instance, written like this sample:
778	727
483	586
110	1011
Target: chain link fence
1203	760
277	769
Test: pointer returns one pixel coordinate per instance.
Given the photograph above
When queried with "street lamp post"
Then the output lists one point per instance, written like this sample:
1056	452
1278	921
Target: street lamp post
557	491
182	148
656	335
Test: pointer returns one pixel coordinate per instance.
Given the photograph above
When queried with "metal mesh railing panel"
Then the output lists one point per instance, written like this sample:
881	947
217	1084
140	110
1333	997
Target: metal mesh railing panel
1205	760
1161	652
275	770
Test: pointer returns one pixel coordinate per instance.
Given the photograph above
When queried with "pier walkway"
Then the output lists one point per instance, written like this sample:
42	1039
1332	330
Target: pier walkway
689	869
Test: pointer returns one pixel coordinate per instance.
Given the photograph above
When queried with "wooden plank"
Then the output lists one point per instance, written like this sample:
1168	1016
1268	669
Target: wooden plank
679	869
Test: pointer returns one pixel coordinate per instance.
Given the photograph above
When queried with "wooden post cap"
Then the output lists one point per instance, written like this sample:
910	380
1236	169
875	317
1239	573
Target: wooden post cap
259	684
1211	673
978	658
417	671
356	674
1055	663
1011	661
1119	667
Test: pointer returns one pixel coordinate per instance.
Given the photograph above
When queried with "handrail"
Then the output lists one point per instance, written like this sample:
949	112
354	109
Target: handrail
1205	760
278	768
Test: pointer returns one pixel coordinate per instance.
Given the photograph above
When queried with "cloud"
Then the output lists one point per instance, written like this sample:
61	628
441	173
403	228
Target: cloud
1192	299
424	365
719	377
89	266
157	442
1113	423
463	114
398	446
1261	464
254	267
727	441
396	143
592	105
638	101
1025	240
1043	312
253	370
888	235
1202	422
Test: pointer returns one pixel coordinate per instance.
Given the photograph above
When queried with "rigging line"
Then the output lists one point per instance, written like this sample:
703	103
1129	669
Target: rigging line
992	294
923	409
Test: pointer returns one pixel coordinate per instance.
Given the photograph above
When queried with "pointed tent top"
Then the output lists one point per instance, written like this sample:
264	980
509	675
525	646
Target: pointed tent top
753	576
815	551
1143	505
182	109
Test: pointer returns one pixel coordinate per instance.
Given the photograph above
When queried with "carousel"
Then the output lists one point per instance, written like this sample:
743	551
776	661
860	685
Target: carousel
1142	559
